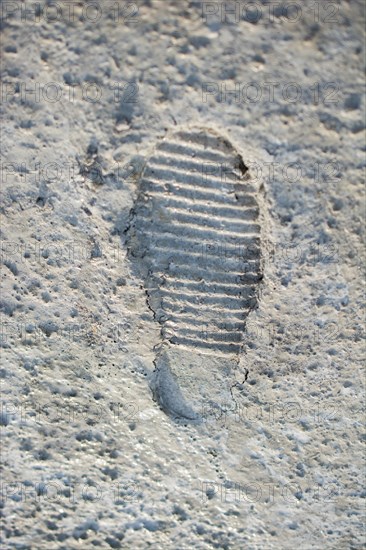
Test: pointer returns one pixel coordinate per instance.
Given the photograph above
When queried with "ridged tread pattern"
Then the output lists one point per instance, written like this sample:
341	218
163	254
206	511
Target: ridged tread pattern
195	235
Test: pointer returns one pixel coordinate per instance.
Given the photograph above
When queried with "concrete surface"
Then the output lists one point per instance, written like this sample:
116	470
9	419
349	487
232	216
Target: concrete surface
89	459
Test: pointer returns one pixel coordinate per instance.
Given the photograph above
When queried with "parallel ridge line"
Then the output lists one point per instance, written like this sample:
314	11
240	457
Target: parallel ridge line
195	165
223	336
235	348
184	216
253	250
204	250
205	301
222	342
249	295
196	259
203	143
240	187
198	279
176	307
207	311
203	295
176	148
198	230
226	290
225	212
238	267
207	172
208	352
218	339
248	266
167	173
185	319
242	267
189	192
240	279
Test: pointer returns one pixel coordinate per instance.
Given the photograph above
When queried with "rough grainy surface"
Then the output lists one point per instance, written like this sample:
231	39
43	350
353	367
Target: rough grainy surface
89	459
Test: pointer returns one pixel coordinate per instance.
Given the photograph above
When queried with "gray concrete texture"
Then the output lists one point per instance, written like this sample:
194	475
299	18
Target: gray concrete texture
98	365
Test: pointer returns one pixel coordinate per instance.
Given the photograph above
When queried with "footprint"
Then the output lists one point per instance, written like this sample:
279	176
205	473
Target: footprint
194	237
